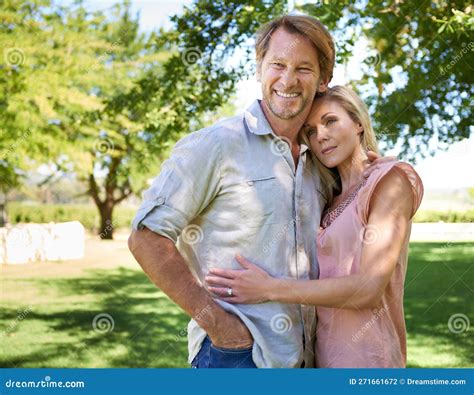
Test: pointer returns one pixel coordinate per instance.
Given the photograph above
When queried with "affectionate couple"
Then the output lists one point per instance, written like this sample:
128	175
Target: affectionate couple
277	230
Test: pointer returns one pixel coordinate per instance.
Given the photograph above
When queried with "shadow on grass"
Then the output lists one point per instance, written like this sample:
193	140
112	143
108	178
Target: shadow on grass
136	325
150	331
438	286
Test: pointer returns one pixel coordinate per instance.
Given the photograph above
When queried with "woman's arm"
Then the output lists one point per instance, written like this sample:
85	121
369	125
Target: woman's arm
389	217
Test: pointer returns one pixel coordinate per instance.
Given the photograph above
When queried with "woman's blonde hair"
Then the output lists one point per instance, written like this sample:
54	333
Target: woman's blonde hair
359	113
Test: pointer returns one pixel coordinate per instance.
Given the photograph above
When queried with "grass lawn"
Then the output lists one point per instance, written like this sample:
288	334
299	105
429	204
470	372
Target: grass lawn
47	311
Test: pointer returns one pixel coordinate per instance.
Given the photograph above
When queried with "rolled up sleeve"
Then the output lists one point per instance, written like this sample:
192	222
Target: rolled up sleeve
188	182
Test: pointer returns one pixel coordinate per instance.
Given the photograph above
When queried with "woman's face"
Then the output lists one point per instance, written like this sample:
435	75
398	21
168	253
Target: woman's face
334	137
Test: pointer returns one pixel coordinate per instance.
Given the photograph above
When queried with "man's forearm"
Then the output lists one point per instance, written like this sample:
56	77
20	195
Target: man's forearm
166	268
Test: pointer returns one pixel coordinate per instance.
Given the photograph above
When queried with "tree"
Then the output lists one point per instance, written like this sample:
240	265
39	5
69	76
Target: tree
200	75
19	35
427	46
16	30
192	83
103	102
87	94
62	66
418	72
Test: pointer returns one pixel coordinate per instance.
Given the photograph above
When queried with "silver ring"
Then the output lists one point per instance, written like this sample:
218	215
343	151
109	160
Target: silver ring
229	291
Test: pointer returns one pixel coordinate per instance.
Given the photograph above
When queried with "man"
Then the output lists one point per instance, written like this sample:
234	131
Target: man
244	185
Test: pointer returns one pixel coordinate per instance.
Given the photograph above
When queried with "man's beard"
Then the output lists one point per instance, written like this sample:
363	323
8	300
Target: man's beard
285	113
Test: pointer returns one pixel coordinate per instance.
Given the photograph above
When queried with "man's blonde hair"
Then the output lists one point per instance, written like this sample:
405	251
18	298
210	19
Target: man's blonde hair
308	27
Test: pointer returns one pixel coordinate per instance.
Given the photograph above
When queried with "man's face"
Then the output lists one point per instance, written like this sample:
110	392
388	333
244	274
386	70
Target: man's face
289	74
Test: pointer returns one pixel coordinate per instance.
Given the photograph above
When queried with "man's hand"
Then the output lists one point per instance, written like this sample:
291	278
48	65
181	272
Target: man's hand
165	266
230	332
374	161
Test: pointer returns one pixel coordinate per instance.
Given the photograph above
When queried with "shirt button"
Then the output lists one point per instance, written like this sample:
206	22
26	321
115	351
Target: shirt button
160	200
249	183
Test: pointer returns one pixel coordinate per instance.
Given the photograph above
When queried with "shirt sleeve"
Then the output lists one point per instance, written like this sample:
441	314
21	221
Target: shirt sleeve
188	182
365	194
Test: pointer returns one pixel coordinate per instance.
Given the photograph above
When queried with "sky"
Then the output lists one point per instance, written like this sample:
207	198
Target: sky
445	170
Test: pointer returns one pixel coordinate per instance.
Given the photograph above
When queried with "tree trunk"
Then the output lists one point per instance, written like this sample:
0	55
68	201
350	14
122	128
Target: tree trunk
106	230
106	206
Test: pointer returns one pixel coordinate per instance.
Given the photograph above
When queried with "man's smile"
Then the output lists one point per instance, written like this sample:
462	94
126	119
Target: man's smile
286	95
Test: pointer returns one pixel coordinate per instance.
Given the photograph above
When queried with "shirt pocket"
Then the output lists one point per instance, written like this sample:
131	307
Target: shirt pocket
260	201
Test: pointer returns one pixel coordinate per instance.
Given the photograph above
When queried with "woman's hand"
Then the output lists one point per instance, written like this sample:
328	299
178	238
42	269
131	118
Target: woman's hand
374	160
250	285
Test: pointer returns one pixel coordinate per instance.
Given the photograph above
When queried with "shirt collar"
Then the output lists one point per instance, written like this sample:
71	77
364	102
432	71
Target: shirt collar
257	123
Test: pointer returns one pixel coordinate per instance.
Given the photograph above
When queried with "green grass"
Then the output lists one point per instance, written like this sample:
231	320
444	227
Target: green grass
149	331
439	284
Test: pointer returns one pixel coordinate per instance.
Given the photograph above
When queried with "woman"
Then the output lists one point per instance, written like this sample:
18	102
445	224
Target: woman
362	244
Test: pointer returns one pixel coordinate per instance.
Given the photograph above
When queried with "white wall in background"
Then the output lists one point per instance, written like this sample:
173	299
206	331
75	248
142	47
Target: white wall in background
25	243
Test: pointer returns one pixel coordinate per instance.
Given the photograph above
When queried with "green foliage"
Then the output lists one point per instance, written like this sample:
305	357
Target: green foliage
470	192
85	93
199	75
461	22
86	214
417	76
445	216
61	67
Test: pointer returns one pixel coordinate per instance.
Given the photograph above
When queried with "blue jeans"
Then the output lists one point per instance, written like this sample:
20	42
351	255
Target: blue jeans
210	356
